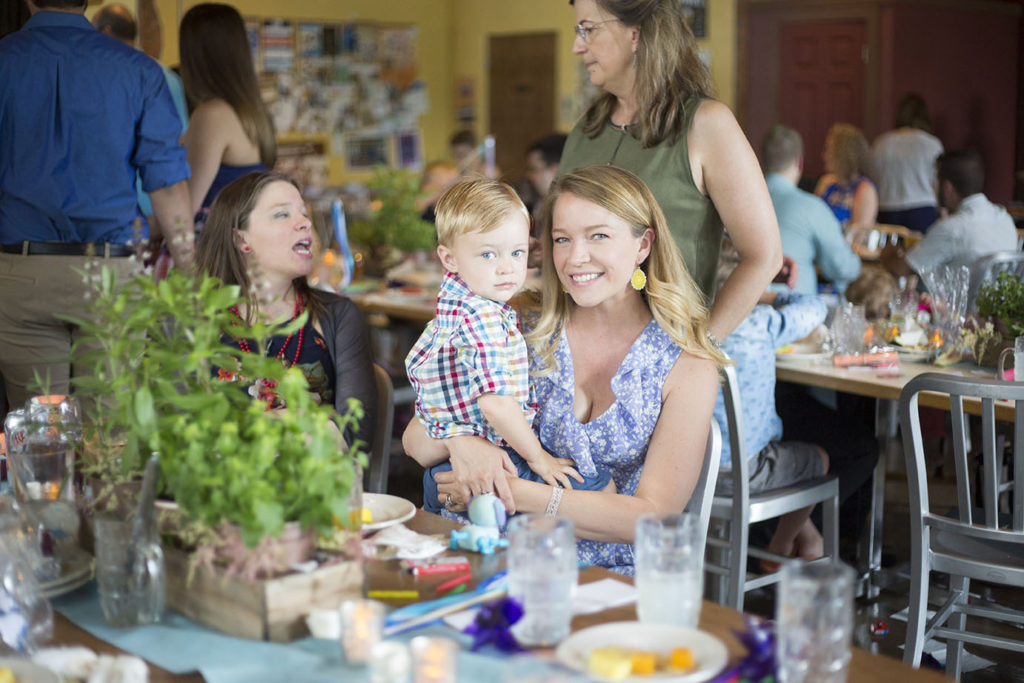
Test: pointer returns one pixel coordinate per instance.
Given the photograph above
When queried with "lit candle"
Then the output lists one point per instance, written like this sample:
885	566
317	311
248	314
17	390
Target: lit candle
434	659
361	623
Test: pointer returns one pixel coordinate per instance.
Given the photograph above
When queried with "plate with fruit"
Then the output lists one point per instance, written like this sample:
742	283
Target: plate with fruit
635	652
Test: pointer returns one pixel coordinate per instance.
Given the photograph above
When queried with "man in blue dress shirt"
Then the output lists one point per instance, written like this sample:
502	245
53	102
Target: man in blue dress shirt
810	233
80	115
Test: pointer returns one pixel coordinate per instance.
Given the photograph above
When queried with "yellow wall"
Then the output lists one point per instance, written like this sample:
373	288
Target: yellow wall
453	43
475	21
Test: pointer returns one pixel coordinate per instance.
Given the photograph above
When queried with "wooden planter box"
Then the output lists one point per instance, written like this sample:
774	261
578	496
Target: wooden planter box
268	609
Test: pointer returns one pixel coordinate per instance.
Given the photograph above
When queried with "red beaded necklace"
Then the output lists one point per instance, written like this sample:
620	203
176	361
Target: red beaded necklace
244	345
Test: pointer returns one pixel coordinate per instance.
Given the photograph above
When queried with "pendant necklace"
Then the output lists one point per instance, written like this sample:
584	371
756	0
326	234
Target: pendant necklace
244	345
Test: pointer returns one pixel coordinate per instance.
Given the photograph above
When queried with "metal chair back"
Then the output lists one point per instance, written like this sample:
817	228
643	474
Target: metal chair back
704	492
974	540
988	267
728	543
376	478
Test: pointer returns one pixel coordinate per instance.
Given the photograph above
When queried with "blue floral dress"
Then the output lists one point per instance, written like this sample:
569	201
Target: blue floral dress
615	440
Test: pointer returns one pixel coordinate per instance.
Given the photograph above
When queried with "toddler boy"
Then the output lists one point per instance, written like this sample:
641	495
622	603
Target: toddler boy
470	367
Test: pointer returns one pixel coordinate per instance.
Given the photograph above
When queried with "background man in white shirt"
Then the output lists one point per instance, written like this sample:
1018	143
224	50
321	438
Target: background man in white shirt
973	227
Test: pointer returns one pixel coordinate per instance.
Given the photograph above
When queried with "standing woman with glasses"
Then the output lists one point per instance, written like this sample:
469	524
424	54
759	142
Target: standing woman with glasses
657	119
230	133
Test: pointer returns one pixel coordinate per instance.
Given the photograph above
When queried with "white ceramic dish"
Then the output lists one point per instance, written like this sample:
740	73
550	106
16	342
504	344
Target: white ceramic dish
386	510
27	672
797	352
914	355
709	653
75	572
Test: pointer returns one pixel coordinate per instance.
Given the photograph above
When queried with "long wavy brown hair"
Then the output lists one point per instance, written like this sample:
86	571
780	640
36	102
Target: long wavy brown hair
668	71
217	252
671	294
216	63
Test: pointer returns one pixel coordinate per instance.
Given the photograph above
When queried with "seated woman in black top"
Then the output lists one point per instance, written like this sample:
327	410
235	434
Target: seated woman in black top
259	236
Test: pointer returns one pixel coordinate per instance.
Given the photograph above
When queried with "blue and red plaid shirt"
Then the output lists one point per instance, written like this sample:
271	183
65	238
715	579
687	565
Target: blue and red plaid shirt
472	347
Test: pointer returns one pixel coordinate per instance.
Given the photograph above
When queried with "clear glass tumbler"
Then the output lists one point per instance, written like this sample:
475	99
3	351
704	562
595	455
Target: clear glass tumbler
814	611
669	569
542	576
130	575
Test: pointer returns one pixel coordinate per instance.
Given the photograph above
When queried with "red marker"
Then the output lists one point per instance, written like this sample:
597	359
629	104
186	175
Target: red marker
452	583
428	569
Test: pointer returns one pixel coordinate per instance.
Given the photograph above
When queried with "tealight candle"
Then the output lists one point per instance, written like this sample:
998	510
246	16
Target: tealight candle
433	659
361	624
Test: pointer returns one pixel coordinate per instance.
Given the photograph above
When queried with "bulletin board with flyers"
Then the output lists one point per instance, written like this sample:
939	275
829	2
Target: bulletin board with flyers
344	98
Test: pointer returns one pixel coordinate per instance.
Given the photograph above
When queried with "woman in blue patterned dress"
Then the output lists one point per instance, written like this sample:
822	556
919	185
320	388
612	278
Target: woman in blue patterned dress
625	371
845	187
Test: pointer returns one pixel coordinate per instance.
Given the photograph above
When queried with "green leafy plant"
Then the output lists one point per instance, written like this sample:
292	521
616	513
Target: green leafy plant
1003	300
397	223
160	383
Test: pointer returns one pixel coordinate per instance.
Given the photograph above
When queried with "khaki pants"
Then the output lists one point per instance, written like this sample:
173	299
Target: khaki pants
33	291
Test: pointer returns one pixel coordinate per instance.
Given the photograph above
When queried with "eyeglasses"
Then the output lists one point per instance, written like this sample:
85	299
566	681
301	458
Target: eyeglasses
584	32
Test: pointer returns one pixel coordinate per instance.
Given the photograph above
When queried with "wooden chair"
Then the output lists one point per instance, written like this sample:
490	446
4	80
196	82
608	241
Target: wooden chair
734	515
375	479
974	541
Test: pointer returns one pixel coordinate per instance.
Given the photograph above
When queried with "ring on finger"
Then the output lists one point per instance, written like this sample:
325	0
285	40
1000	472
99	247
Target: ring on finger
448	502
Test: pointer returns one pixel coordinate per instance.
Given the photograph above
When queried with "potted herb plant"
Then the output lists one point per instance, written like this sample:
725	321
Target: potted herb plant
395	225
1000	305
162	382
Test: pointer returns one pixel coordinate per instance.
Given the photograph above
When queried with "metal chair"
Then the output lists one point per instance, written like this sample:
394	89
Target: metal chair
735	514
703	493
375	480
988	268
974	541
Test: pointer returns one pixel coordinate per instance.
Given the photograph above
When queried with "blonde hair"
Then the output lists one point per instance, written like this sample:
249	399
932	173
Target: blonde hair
873	289
669	71
671	294
850	151
475	205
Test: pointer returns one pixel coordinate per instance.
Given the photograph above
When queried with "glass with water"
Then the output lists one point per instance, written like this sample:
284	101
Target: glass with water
669	569
814	612
542	576
1018	361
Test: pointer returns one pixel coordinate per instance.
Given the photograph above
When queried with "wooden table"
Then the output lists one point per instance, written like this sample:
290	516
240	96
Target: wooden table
885	387
715	619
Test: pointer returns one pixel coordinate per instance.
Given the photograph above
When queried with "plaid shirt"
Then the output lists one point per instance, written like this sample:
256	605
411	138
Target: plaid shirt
472	347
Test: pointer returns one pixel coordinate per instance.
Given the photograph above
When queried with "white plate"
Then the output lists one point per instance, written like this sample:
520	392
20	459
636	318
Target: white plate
386	510
75	572
709	653
914	355
27	672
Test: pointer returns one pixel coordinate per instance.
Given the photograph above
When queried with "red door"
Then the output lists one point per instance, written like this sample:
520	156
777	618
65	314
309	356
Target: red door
821	81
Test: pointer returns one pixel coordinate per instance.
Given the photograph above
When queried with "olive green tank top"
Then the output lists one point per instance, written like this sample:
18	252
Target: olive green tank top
692	217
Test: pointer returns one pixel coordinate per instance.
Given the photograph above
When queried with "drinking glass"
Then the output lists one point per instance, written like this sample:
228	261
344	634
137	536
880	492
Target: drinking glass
669	569
131	579
815	620
362	622
434	659
542	575
1018	361
52	427
848	328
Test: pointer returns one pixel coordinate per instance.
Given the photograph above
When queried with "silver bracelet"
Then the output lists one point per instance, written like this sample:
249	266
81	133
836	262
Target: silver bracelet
554	501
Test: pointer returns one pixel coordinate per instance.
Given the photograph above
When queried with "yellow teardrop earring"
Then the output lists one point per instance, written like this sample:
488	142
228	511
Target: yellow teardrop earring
639	279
